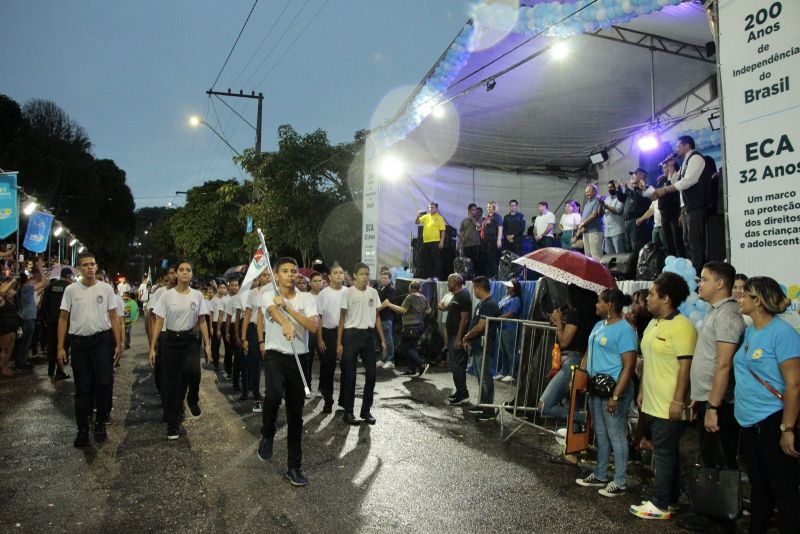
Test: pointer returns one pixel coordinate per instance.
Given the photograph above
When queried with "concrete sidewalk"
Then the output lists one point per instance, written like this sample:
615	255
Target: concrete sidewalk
425	467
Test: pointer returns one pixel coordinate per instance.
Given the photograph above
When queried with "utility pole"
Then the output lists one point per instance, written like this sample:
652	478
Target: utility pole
257	127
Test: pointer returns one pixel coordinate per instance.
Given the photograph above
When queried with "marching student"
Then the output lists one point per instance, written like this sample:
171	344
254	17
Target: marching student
170	279
329	306
252	357
89	315
178	311
285	321
359	321
230	337
216	307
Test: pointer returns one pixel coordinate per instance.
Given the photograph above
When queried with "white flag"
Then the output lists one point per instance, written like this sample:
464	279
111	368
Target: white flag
257	265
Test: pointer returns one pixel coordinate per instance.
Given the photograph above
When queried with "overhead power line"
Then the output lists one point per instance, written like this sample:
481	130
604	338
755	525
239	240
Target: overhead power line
264	40
234	44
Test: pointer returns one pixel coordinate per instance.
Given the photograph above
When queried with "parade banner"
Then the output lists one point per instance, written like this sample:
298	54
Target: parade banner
759	61
38	234
9	219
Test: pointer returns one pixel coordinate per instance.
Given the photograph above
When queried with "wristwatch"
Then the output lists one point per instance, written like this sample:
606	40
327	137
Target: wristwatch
785	428
710	406
614	397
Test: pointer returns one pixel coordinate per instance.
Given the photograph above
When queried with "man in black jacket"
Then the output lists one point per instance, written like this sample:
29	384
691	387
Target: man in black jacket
51	310
635	205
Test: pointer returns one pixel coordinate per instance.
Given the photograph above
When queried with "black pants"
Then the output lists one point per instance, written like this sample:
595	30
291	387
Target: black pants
774	477
516	246
181	357
357	342
282	380
238	356
158	368
546	241
490	257
327	364
474	253
728	436
227	362
694	236
637	236
92	360
431	264
252	364
215	343
672	234
52	348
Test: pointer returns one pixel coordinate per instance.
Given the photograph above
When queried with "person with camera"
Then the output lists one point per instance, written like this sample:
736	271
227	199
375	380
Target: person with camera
610	360
767	371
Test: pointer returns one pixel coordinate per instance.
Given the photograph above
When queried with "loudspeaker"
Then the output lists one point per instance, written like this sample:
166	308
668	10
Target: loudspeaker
621	266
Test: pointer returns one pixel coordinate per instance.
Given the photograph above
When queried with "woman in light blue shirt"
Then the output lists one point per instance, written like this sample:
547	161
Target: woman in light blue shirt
767	371
611	351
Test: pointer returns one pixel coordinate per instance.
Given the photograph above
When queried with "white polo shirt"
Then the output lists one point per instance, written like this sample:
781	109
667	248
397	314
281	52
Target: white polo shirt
329	306
88	307
180	311
273	331
361	306
234	303
254	299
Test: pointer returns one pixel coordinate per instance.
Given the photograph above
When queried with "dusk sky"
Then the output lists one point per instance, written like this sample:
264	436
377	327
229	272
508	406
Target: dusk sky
132	73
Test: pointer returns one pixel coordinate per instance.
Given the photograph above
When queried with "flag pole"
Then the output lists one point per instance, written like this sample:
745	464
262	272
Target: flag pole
277	292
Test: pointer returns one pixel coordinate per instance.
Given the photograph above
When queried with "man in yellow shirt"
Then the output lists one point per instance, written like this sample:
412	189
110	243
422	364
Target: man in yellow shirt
433	227
667	348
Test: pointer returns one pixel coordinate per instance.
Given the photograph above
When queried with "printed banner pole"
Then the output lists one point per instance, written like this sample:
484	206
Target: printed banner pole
275	287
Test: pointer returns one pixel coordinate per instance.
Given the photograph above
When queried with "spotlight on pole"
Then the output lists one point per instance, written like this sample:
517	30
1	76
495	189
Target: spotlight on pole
392	168
598	157
560	51
73	241
57	232
714	121
29	207
648	141
81	249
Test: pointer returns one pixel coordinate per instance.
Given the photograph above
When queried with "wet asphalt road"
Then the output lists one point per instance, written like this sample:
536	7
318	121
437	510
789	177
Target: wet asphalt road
425	467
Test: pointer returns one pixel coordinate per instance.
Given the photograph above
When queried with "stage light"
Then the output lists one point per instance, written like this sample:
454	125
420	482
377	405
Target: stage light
392	168
714	121
560	51
490	84
648	141
29	207
73	241
598	157
81	249
57	231
439	112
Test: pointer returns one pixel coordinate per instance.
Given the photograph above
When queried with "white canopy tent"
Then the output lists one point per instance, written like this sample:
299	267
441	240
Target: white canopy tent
529	137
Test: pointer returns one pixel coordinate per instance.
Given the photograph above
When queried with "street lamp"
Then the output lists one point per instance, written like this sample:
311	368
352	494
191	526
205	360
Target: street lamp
30	207
57	232
196	121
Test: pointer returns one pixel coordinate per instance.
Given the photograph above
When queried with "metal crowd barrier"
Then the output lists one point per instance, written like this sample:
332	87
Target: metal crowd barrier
535	341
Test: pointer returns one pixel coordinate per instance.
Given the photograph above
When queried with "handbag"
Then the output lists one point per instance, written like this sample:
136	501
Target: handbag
716	491
602	385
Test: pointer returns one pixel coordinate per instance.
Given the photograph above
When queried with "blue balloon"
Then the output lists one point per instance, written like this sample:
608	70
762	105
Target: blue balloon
680	264
670	261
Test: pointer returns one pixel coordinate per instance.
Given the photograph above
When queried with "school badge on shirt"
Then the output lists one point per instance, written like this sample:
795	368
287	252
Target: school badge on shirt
758	353
371	302
193	306
603	341
99	299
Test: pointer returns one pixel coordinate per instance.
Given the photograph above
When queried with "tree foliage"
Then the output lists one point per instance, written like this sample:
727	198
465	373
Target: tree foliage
52	153
298	187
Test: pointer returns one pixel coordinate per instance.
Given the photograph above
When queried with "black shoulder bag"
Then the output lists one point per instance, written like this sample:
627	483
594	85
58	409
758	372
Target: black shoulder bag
716	491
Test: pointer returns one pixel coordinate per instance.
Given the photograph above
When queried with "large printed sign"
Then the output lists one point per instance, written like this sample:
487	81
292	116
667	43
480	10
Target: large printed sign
759	55
8	204
38	234
369	212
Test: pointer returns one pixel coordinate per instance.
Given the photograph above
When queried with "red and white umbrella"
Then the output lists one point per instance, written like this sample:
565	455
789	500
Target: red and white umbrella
569	268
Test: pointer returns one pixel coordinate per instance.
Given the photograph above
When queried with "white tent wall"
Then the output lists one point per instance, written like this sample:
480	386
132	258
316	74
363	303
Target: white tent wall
453	188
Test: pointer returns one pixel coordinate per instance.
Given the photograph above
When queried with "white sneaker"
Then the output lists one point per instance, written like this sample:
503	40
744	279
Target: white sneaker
379	364
498	377
388	365
648	510
507	379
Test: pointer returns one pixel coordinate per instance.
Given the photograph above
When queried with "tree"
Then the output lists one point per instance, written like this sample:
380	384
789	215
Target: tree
298	187
209	229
